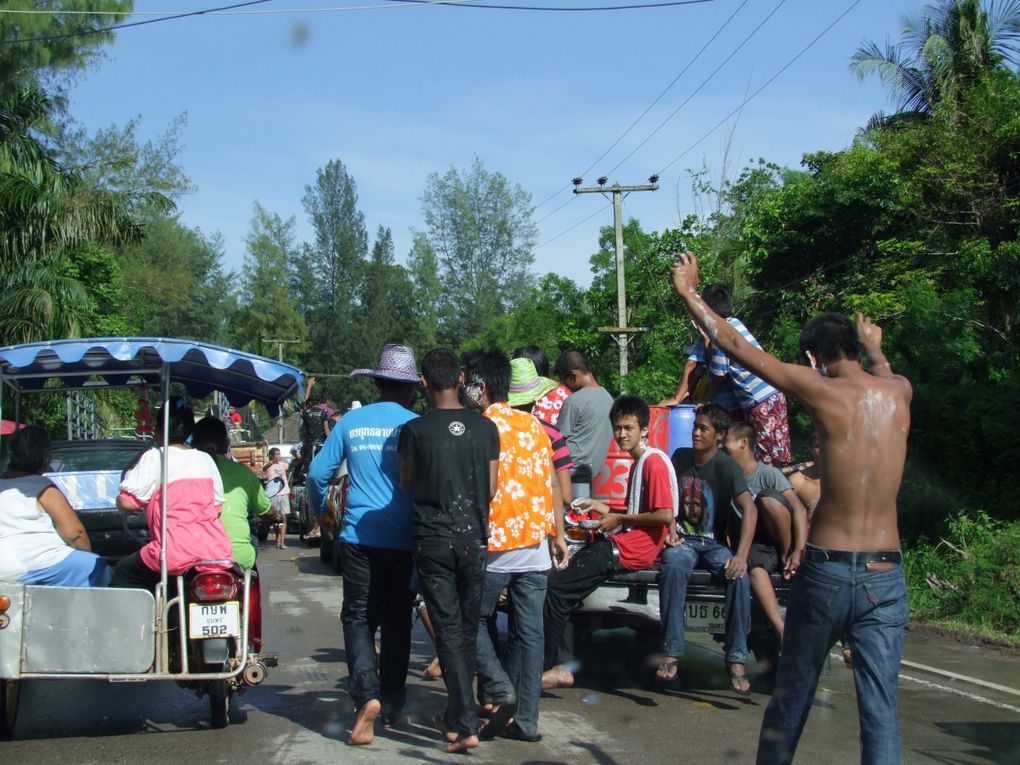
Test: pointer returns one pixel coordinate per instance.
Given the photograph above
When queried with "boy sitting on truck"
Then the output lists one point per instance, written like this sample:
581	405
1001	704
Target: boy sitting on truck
709	481
781	531
652	501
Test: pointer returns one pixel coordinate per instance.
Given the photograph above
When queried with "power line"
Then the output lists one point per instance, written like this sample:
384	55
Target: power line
550	214
112	27
699	88
666	89
565	9
640	117
385	4
567	231
768	82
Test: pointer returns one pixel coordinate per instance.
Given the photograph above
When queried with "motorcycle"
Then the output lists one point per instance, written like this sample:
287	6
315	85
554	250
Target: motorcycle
202	628
222	632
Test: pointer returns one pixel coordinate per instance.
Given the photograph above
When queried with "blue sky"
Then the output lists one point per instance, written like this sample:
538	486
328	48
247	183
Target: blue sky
399	92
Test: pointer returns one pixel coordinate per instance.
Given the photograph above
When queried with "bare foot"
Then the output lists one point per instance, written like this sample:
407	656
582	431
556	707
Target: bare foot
448	734
738	678
433	671
461	744
668	668
364	724
557	677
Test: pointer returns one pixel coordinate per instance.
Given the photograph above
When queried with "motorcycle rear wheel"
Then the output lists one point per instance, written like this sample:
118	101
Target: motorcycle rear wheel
219	704
10	693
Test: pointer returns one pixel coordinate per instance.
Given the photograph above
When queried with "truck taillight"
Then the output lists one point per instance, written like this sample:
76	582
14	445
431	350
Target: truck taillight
214	586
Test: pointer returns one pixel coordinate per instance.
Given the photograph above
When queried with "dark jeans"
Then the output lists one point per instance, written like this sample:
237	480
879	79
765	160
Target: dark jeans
131	572
377	596
829	600
588	569
452	574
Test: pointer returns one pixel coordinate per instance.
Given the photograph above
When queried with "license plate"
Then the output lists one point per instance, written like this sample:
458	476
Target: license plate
208	620
706	617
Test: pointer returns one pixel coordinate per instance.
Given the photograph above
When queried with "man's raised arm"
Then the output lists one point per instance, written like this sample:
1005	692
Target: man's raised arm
801	382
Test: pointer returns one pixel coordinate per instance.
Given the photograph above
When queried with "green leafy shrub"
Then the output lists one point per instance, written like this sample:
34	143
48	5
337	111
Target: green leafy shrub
971	575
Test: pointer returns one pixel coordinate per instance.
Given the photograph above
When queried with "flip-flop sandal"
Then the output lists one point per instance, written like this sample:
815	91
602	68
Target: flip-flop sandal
668	669
739	680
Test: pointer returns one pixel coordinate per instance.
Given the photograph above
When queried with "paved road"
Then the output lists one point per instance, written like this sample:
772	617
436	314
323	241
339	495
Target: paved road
301	714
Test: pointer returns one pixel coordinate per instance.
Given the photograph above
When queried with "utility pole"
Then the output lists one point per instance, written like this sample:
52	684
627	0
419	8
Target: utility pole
621	332
279	355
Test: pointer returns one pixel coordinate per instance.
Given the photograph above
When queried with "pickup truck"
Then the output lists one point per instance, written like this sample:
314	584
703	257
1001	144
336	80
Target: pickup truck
631	598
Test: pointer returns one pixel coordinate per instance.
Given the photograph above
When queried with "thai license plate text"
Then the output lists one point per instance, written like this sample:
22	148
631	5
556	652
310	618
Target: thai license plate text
208	620
706	617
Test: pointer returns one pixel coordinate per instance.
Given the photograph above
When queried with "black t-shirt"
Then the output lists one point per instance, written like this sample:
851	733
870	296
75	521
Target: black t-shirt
451	450
706	492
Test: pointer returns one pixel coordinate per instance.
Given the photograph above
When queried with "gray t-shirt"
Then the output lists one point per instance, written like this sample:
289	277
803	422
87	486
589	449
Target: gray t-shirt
584	422
768	479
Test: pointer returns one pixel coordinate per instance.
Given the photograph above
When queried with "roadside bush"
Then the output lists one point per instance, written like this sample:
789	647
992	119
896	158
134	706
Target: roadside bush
971	575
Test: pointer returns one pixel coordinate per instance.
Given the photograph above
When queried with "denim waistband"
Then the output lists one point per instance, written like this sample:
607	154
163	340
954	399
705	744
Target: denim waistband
816	553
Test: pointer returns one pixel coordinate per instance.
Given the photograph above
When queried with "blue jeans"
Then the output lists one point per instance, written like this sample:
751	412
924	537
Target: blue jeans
677	565
452	575
377	597
522	678
828	600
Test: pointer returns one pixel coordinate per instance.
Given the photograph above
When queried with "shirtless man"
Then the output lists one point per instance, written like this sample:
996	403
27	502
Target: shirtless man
851	576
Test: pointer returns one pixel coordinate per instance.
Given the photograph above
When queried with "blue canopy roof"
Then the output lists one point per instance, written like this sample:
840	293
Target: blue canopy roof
202	368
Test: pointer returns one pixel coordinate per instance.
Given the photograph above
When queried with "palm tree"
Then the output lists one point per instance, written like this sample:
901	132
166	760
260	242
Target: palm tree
46	212
943	51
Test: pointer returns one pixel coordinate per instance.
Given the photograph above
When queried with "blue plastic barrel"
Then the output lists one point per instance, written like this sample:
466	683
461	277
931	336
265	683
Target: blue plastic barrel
681	423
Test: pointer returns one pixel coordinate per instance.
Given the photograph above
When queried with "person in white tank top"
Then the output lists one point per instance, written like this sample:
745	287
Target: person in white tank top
42	540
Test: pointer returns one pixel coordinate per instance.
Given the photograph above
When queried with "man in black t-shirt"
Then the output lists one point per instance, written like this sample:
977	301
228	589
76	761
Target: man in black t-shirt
708	481
450	458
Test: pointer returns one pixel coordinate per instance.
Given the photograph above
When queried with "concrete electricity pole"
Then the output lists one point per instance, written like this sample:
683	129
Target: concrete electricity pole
279	355
621	332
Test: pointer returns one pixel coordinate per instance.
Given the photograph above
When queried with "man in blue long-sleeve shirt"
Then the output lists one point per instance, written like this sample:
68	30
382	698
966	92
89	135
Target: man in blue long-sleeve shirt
375	544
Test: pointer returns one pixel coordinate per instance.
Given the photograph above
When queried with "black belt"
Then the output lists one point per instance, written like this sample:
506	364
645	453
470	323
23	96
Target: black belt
812	552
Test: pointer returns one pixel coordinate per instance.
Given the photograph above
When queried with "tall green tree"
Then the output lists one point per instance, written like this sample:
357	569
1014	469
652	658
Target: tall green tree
46	51
265	304
423	269
336	261
175	283
115	159
48	213
944	50
480	226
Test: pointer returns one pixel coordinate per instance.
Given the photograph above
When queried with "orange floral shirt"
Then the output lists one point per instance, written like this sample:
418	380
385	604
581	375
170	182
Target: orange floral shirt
521	513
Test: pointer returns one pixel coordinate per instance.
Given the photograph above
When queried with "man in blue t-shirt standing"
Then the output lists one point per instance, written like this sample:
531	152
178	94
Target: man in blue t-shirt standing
375	544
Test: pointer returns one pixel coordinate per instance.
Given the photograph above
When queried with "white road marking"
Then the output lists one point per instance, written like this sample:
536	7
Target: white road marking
964	678
950	689
958	692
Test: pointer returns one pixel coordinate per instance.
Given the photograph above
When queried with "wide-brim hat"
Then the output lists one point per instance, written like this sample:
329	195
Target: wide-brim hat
525	384
396	363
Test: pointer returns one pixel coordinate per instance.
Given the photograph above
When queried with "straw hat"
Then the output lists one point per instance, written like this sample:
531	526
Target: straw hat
525	384
396	363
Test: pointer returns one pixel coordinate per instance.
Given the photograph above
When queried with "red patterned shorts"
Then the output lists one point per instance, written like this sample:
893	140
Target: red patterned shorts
771	431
